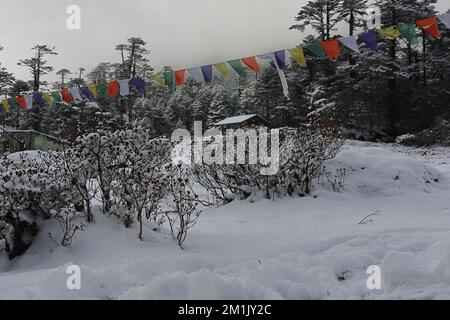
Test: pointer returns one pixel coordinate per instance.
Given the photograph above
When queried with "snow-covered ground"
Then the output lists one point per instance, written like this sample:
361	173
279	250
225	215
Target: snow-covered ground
291	248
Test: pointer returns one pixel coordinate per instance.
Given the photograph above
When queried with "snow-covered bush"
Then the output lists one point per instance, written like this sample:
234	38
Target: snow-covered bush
183	203
304	151
226	182
98	150
32	189
141	174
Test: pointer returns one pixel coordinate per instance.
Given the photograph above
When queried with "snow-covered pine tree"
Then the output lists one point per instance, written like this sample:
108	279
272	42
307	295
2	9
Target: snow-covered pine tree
220	105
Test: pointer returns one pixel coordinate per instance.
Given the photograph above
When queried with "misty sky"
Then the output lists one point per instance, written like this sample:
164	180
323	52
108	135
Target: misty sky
180	33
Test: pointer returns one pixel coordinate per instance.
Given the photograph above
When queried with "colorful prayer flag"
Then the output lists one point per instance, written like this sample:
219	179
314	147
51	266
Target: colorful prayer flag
5	105
238	67
331	49
87	93
280	57
350	42
252	64
299	56
124	86
21	102
75	92
316	48
12	103
430	26
207	72
39	99
158	78
47	98
223	69
28	101
66	96
113	89
370	40
390	33
196	74
56	96
408	31
93	90
102	90
180	77
168	78
139	84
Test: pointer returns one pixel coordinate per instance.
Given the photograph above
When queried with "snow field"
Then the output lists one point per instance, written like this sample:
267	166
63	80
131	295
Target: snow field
291	248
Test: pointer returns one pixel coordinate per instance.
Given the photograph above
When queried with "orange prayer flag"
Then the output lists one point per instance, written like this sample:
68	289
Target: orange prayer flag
331	48
113	89
179	77
430	25
252	64
67	97
21	102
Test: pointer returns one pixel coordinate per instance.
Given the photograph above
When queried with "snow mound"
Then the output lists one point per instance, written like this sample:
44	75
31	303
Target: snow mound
381	172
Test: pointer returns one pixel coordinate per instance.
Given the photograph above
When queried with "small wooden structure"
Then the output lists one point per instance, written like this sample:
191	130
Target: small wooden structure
243	122
12	140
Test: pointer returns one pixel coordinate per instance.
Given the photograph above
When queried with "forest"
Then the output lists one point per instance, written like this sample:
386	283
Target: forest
401	89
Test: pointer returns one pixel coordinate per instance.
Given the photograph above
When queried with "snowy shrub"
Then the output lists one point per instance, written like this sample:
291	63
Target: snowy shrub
183	203
335	179
226	182
141	174
79	171
32	189
99	151
69	224
305	150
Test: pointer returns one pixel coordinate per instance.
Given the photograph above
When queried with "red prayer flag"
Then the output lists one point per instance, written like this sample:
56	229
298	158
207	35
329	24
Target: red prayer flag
331	48
179	77
66	96
21	102
252	64
430	25
113	89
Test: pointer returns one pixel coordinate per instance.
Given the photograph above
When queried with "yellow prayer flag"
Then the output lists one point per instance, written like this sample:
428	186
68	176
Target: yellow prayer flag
5	105
158	78
93	90
390	33
298	55
222	67
47	98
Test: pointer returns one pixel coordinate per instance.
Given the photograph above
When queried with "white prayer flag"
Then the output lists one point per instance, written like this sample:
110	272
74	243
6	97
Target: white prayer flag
29	101
124	87
350	42
76	95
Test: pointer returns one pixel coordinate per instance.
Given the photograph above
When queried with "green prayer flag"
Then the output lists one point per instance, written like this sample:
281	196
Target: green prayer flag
102	90
168	78
316	48
13	103
408	31
56	96
238	67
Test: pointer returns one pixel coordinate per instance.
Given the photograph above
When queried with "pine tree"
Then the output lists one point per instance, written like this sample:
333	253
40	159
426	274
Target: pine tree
321	15
219	108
